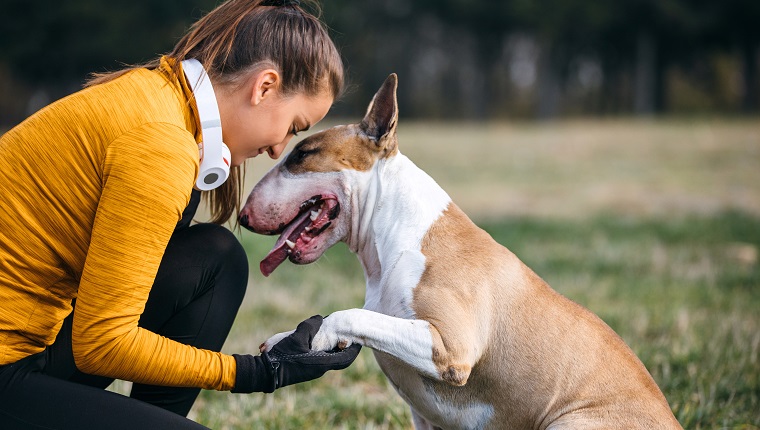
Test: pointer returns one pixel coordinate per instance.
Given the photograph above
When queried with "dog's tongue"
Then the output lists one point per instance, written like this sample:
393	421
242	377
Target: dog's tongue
275	257
280	251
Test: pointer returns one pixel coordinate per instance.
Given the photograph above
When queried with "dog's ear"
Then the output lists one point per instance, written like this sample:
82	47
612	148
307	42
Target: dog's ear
382	114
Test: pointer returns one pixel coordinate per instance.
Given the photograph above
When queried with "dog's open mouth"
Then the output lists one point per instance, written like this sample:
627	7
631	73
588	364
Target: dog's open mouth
314	216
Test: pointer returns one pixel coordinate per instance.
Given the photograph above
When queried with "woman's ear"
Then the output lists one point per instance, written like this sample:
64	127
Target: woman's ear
265	84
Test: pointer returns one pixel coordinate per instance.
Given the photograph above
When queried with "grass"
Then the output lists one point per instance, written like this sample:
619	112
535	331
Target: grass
682	292
653	225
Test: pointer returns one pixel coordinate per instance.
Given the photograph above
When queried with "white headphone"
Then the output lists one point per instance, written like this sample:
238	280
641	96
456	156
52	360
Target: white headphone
214	154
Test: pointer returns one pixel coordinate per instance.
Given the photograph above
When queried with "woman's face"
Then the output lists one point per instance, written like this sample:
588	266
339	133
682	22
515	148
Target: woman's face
264	120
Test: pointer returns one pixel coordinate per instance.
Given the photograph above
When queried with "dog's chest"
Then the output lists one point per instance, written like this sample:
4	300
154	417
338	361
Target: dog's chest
438	402
393	292
441	403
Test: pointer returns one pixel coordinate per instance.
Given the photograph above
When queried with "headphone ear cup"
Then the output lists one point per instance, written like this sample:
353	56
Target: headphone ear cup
214	168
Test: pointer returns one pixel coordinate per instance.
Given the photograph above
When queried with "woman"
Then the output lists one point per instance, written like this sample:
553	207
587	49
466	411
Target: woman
101	275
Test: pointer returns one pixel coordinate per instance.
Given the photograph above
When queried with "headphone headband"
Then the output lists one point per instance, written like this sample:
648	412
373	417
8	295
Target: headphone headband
215	155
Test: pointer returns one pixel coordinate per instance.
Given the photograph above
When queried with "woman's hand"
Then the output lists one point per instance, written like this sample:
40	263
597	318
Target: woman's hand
290	361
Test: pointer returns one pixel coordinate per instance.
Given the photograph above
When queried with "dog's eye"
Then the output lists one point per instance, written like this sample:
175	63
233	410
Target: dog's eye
303	153
298	155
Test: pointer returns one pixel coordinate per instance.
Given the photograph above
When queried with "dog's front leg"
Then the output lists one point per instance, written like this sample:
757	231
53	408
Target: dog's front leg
272	341
411	341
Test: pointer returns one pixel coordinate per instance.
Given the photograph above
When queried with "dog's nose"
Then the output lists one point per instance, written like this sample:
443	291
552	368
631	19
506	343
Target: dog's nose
243	221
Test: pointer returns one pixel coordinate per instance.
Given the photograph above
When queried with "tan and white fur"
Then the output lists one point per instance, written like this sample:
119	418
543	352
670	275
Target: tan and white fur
469	336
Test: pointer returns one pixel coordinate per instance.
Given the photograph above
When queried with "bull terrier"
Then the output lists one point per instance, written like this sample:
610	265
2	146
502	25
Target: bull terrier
468	335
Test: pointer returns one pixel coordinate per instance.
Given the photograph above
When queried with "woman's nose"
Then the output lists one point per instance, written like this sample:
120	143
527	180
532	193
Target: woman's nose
276	151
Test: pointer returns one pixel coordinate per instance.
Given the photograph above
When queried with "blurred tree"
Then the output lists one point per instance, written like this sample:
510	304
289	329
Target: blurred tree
734	25
488	23
49	47
49	41
456	58
565	29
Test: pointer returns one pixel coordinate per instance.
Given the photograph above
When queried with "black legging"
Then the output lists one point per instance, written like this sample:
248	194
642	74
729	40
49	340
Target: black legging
195	297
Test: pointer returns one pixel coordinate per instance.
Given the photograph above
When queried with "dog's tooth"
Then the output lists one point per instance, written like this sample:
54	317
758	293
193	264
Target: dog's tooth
290	244
315	214
307	229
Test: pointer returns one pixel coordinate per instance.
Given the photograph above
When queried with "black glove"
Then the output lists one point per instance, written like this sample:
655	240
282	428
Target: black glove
290	361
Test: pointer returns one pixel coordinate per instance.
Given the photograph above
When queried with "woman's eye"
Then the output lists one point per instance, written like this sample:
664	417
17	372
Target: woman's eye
293	131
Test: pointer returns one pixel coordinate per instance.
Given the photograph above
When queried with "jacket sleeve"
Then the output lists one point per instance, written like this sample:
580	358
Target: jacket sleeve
148	176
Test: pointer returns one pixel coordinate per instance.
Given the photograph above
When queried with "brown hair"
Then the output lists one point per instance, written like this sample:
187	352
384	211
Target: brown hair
240	36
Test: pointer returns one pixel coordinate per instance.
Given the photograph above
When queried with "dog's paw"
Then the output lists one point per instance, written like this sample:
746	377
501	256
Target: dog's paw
272	341
332	334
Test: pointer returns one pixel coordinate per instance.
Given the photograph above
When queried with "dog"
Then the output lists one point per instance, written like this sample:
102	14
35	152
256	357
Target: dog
467	334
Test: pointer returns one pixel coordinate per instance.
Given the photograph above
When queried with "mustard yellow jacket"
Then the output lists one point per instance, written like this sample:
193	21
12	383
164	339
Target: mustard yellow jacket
91	189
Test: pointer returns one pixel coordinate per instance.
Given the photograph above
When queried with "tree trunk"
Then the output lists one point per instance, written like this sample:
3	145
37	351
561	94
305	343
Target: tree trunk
645	77
750	93
549	89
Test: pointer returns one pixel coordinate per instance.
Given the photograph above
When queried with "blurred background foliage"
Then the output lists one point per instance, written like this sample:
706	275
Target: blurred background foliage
472	59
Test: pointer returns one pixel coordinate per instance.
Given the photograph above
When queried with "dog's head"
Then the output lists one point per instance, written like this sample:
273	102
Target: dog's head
306	198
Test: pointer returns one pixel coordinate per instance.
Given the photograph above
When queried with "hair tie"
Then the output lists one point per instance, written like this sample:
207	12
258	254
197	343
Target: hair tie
278	3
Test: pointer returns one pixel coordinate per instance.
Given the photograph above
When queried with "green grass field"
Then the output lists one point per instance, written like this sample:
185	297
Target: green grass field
653	225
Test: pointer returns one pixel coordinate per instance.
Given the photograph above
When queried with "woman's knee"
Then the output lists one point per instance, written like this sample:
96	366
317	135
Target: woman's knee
224	251
199	259
221	242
